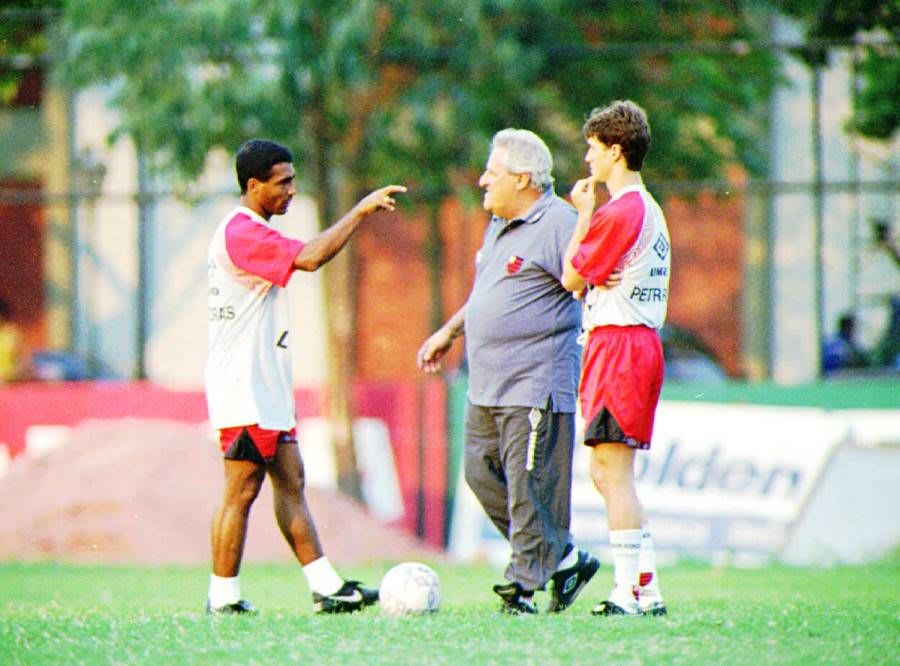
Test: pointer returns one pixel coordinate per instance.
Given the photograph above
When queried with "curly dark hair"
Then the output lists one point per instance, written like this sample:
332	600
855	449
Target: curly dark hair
621	122
256	158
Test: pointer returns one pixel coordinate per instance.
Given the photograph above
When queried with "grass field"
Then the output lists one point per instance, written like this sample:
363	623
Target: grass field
56	614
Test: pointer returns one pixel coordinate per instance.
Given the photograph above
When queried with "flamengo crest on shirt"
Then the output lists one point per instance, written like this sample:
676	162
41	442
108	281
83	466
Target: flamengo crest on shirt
514	264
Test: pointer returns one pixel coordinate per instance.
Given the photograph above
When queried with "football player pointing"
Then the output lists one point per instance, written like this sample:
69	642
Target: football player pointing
249	388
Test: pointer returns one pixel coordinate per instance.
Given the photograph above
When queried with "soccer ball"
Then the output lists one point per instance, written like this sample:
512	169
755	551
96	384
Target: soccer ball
410	588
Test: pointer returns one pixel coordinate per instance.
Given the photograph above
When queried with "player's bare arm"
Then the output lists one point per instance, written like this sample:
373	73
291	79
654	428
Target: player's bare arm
433	349
321	249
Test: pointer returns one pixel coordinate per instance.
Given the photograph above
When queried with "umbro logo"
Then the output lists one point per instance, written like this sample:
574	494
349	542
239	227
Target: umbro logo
661	247
570	583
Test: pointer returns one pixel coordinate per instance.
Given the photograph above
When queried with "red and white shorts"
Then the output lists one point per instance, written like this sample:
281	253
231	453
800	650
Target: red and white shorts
250	442
621	378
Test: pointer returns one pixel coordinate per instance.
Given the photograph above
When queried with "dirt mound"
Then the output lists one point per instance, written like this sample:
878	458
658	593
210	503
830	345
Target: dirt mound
139	491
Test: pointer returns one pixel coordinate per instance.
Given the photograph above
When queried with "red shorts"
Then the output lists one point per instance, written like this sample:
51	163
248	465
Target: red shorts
253	443
621	378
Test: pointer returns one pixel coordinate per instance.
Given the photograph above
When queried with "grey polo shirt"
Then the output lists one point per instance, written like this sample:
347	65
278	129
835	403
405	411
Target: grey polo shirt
521	325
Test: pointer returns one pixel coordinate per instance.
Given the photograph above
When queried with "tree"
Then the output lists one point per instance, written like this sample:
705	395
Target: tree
846	22
478	67
696	68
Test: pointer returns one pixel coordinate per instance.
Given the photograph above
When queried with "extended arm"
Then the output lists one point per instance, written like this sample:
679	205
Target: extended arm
321	249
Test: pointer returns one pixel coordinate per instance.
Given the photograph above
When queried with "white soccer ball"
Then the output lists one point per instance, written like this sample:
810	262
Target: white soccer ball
411	588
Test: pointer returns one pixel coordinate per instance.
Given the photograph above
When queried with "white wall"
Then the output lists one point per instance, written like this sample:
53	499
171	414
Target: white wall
179	238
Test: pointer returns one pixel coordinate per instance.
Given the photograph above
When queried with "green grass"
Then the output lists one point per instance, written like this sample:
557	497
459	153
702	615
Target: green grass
61	614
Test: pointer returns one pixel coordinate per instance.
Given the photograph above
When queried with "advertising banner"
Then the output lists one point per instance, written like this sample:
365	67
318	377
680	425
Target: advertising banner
720	482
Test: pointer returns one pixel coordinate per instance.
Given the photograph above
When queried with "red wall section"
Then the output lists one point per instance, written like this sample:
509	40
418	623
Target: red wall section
393	292
393	308
24	405
21	271
415	414
707	272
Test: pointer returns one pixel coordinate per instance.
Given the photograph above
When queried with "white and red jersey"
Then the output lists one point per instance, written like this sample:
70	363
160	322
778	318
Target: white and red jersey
628	234
248	371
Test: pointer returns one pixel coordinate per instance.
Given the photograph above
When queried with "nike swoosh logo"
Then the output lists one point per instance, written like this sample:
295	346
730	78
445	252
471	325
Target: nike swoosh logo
356	596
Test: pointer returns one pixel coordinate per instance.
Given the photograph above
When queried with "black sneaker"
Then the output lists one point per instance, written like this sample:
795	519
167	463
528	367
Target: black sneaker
654	609
568	583
242	607
514	600
351	597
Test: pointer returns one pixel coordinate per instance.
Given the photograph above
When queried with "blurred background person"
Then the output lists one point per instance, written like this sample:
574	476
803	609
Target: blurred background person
841	351
13	356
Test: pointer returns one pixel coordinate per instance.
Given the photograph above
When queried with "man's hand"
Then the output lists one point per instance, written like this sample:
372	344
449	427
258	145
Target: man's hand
325	245
614	279
380	199
583	197
433	349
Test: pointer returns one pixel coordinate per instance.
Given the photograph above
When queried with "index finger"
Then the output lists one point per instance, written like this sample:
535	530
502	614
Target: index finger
391	189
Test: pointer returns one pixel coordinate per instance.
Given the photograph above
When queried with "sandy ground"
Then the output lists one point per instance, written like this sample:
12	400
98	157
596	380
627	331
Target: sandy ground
137	491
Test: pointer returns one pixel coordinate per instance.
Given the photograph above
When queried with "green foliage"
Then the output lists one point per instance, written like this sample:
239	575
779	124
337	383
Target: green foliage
875	112
545	66
706	102
88	615
187	77
379	90
24	41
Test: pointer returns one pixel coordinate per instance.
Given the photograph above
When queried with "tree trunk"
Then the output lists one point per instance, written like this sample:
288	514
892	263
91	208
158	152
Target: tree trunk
339	316
340	311
434	252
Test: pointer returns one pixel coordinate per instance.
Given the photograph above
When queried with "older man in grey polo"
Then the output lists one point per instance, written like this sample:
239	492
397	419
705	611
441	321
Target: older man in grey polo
521	328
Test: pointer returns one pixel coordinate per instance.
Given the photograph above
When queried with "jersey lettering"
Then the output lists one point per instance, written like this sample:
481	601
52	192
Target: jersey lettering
648	294
225	313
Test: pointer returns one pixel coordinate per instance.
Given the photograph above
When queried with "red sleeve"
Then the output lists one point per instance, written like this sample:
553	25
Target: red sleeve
613	231
260	250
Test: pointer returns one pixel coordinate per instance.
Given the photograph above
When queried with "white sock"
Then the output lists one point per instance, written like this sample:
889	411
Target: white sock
647	562
626	548
569	560
321	577
223	591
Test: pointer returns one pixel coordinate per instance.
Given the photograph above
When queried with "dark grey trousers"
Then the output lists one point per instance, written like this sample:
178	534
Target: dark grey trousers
518	462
